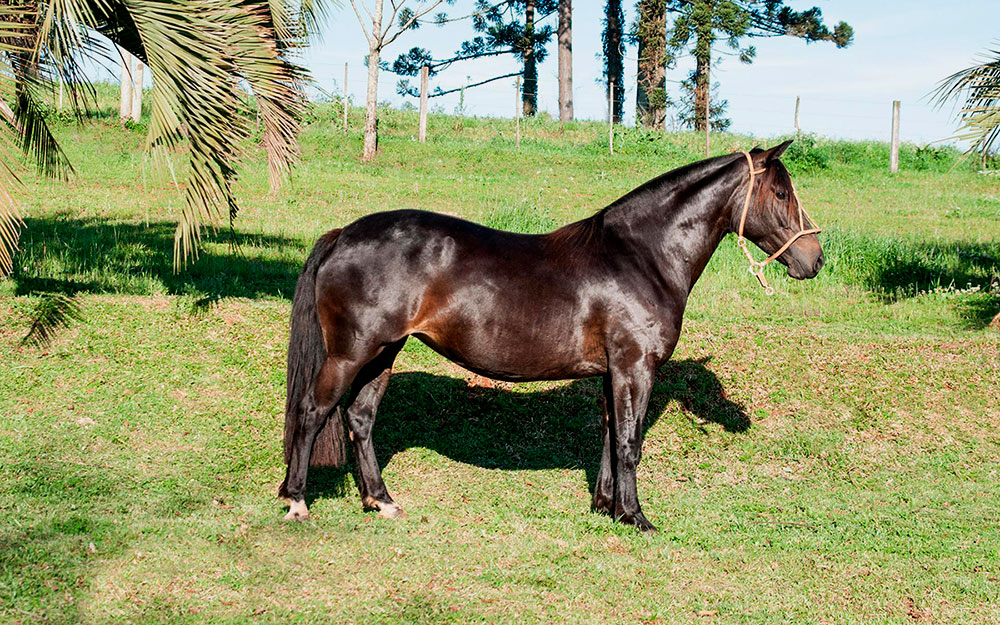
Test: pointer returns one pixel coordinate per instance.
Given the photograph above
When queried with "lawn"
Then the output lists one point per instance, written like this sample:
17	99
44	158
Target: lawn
826	455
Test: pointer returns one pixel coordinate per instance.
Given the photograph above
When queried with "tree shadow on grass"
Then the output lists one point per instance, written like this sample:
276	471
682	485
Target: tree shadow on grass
47	553
968	269
898	269
494	428
73	256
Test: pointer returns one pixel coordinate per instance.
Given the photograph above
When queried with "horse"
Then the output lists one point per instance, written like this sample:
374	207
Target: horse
604	296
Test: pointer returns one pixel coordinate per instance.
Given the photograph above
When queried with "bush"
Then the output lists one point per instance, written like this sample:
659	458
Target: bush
805	155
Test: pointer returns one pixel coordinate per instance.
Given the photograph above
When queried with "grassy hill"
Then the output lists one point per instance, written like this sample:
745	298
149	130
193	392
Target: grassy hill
825	455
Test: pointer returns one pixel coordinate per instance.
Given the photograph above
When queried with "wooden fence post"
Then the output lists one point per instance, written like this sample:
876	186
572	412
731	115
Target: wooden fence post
517	112
894	147
708	113
424	75
798	129
611	118
345	97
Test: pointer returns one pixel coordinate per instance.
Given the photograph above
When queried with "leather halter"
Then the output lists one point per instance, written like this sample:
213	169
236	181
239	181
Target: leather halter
757	268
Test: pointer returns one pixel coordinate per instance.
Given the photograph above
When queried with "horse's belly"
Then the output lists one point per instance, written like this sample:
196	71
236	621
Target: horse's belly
515	351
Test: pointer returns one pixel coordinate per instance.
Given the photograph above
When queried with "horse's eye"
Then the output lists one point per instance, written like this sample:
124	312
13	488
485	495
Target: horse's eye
781	194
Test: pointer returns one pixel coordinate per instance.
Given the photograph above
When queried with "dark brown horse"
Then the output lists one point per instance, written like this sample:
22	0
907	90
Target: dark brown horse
600	297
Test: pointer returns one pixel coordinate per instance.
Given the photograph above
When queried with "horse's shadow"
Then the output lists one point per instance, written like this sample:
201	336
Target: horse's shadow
496	428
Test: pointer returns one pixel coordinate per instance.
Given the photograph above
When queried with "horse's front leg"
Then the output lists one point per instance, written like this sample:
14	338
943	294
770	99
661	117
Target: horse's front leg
631	385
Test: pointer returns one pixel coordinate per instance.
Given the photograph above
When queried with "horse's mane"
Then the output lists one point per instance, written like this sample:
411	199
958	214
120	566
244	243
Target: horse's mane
579	233
590	230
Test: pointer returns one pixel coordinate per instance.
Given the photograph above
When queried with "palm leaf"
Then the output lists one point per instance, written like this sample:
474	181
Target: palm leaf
16	28
197	51
979	87
52	312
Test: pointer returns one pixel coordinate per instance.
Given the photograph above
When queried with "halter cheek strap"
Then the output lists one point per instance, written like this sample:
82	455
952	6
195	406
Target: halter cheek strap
757	268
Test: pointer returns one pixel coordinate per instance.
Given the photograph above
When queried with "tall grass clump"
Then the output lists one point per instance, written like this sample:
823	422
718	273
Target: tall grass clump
895	268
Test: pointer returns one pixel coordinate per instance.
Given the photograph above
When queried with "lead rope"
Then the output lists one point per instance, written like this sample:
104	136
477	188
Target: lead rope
757	268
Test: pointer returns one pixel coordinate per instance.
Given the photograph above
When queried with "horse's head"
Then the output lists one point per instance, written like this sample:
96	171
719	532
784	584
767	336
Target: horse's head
771	216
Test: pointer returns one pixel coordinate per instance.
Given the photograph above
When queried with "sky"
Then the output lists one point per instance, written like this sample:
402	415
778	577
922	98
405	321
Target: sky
901	50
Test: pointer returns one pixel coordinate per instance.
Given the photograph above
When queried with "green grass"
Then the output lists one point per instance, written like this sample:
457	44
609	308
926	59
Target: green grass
826	455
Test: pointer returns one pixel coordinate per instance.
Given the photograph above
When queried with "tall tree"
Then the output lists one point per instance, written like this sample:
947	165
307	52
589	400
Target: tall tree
125	104
197	52
506	27
650	34
565	41
698	24
378	38
688	112
614	57
529	97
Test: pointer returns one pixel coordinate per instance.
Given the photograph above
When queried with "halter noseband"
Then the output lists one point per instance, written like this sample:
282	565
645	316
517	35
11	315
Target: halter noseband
757	268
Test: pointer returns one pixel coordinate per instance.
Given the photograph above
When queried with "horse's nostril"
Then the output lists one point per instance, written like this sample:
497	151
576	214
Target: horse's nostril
818	265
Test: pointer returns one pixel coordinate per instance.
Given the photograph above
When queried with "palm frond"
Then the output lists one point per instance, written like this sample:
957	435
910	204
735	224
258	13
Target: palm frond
10	218
198	52
35	137
979	87
50	313
260	58
16	27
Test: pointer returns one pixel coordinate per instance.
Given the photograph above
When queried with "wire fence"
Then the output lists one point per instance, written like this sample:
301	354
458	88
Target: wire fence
756	114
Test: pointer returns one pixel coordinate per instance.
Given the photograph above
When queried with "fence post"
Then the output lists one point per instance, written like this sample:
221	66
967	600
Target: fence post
345	97
517	112
611	117
424	75
798	129
894	148
708	119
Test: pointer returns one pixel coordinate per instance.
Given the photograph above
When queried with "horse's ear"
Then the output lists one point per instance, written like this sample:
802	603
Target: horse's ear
775	152
761	158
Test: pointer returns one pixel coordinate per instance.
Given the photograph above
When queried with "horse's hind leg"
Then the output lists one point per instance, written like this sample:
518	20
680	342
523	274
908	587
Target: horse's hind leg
604	486
330	383
366	393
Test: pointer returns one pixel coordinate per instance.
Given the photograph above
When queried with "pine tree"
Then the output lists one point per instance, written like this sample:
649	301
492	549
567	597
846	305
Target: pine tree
698	24
509	27
614	56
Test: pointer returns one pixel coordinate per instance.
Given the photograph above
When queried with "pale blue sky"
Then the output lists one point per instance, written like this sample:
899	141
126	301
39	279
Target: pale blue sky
900	51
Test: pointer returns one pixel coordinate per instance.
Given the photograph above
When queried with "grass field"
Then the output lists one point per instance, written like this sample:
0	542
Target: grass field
827	455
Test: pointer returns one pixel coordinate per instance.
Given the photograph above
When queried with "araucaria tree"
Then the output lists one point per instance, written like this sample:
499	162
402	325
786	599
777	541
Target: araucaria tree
565	40
699	24
198	53
614	57
381	32
507	27
718	122
650	31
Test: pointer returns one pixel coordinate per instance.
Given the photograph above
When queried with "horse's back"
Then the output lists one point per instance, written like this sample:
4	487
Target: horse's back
504	304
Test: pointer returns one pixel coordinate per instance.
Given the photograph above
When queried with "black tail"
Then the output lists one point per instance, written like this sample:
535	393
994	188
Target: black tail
306	353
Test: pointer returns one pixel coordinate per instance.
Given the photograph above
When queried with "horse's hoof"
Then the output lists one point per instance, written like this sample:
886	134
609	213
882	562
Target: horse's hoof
391	510
602	506
297	511
640	522
643	525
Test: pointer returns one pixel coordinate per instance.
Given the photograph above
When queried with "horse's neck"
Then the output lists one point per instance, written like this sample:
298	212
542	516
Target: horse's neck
677	226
